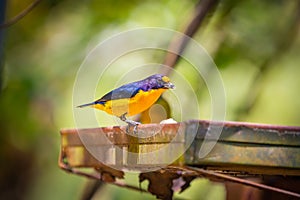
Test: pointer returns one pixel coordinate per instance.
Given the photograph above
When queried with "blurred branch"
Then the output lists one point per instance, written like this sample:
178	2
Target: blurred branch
177	46
2	18
91	188
20	15
284	42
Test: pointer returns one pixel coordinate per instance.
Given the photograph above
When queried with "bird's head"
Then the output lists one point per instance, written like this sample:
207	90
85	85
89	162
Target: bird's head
159	81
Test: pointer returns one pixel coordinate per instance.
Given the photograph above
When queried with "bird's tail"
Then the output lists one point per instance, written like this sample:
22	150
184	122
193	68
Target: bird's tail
85	105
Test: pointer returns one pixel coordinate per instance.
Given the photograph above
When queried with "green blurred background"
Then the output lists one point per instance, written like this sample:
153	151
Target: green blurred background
254	43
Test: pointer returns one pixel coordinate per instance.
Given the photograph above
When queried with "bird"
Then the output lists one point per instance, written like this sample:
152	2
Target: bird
132	98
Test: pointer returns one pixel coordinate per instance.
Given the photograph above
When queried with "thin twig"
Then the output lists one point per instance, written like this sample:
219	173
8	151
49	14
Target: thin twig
20	15
98	177
214	175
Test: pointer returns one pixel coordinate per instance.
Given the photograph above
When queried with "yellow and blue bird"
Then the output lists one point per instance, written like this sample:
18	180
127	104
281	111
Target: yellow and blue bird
132	98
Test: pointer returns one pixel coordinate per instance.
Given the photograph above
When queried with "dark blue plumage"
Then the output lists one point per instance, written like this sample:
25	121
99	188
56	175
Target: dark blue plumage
131	89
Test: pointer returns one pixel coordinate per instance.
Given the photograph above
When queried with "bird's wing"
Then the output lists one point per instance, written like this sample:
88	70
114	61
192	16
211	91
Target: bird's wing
123	92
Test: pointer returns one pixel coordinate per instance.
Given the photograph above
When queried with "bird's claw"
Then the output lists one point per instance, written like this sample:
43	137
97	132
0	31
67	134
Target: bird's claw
134	128
130	124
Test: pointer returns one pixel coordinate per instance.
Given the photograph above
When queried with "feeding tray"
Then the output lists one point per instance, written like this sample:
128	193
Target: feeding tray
232	147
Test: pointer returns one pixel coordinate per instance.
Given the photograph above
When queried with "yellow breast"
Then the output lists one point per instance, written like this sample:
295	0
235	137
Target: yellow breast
132	106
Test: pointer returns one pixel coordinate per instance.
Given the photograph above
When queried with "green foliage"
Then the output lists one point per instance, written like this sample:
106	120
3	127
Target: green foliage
254	43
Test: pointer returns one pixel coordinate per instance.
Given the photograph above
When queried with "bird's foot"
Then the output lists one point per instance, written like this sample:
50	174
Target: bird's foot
135	125
130	123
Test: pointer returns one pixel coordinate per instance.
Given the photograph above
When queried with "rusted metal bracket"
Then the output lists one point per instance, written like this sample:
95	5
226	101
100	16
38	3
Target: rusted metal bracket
240	149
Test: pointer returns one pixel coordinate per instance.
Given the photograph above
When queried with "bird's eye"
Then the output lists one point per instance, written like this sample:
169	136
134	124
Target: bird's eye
165	79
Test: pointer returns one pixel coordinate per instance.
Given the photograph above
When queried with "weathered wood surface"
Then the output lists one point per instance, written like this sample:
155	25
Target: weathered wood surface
241	147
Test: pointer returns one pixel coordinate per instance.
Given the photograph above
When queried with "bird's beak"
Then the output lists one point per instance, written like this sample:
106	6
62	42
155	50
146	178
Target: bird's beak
169	85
